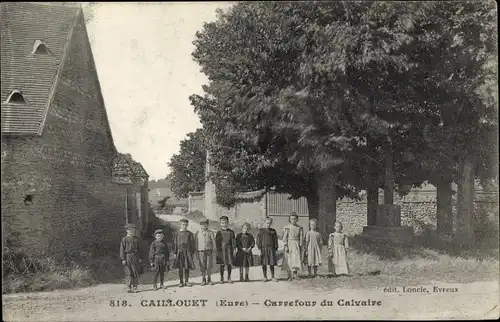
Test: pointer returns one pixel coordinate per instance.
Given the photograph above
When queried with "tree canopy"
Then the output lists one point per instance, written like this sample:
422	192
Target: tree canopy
300	88
188	166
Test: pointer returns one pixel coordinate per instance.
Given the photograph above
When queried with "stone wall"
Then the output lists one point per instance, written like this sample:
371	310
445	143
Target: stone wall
196	202
66	170
418	209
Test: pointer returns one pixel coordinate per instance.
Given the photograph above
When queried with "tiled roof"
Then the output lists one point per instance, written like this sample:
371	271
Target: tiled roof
138	170
34	75
121	167
125	168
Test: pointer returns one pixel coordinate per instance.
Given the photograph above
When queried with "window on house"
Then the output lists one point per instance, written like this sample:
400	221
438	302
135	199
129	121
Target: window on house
16	97
39	47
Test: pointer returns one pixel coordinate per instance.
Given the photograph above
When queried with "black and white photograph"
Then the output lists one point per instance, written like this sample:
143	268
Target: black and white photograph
249	161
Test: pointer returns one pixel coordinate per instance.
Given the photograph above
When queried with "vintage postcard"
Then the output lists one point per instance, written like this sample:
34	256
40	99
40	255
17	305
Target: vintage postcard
237	161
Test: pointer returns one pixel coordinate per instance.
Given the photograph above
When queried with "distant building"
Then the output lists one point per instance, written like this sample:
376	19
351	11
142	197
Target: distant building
62	186
132	176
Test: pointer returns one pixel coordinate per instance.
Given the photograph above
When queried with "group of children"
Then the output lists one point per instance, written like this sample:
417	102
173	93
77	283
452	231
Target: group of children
234	250
305	249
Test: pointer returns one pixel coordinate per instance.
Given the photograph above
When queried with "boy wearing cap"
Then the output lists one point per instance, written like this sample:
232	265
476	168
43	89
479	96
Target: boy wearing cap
158	257
225	244
184	248
205	243
130	255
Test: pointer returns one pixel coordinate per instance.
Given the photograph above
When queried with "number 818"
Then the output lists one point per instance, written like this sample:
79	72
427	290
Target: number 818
114	303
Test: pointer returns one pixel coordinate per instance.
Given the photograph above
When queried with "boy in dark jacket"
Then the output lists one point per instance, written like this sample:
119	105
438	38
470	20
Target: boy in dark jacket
130	255
184	248
225	245
244	256
158	258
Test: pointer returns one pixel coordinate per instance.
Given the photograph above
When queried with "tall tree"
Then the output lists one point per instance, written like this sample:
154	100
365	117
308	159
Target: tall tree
188	166
326	93
456	53
280	92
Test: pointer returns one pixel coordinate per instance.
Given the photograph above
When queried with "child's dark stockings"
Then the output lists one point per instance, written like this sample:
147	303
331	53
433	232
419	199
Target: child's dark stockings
184	275
264	270
229	268
246	269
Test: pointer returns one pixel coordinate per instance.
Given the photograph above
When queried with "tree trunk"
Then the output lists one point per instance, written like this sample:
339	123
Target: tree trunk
389	177
327	195
444	207
465	232
313	205
371	206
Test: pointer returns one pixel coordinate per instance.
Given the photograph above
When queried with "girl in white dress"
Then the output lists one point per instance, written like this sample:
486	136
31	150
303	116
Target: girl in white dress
337	250
314	244
293	238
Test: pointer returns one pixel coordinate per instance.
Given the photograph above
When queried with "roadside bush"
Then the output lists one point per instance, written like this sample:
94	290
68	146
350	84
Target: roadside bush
486	229
23	272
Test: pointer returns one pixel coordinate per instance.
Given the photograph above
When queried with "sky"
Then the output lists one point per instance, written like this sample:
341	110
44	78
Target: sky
142	53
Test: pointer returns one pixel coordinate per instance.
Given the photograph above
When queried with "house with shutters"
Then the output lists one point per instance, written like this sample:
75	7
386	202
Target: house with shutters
65	188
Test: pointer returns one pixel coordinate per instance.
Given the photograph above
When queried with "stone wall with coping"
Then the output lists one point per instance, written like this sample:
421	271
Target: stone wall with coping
417	210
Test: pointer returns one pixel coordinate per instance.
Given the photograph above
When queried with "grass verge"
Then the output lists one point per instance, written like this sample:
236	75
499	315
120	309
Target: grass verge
395	264
22	273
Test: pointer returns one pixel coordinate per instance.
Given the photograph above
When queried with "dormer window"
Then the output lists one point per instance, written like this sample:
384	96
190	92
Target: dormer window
16	97
40	48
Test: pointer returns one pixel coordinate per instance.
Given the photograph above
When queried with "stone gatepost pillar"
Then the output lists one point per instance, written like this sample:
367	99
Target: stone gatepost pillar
210	197
388	217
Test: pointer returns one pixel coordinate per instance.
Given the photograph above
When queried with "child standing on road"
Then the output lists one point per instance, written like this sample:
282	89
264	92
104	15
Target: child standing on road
337	250
225	245
205	243
314	244
130	255
159	256
267	243
244	257
293	239
184	248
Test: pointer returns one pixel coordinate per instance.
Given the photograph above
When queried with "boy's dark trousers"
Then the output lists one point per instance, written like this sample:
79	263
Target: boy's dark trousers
132	270
159	272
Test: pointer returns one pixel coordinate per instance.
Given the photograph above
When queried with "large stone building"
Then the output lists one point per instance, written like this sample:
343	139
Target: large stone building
63	189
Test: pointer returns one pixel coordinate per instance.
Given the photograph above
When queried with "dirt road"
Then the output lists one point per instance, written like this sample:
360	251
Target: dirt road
255	300
475	300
